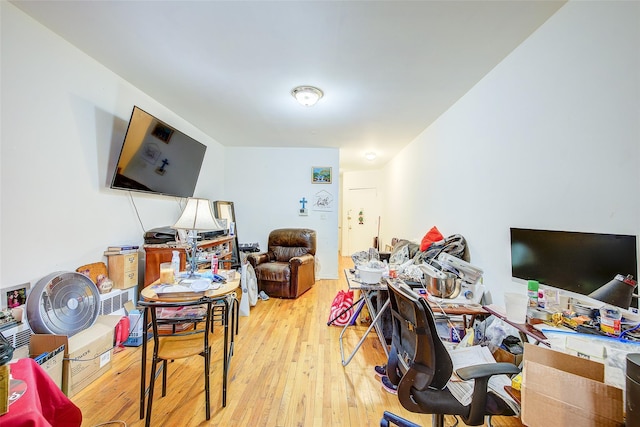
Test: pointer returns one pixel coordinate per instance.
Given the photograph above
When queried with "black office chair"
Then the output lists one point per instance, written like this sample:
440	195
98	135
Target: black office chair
180	330
421	367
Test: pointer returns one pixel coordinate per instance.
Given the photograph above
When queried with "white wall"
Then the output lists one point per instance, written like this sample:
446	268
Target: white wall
63	121
266	185
549	139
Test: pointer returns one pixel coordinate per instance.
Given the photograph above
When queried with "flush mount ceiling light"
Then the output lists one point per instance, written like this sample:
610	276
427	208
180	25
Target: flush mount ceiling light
307	95
370	156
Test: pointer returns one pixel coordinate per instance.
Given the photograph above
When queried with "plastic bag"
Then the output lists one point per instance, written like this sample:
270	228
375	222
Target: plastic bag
341	309
244	301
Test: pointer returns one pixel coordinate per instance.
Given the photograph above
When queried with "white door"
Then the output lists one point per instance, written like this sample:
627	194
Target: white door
361	219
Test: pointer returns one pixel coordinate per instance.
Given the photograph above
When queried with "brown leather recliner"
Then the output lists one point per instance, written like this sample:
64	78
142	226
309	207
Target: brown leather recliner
287	269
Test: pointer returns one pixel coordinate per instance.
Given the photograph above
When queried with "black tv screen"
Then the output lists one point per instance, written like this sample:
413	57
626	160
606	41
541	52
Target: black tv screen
573	261
157	158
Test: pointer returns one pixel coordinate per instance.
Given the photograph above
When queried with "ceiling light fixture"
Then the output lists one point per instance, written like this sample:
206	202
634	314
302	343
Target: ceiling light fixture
370	156
307	95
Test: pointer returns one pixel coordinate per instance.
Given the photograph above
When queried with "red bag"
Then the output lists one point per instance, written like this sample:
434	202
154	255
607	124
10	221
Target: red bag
122	331
341	309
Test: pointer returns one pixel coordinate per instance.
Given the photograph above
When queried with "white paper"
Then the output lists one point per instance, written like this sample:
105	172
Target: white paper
463	390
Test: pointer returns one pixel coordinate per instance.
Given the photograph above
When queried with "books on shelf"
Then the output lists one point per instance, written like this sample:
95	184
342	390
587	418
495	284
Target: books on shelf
121	249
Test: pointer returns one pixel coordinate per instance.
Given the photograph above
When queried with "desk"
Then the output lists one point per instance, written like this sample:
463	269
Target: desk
369	291
463	310
223	294
42	404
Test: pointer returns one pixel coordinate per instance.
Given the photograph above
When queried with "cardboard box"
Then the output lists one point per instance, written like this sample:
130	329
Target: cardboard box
136	320
87	354
562	389
123	270
135	329
53	362
4	389
502	355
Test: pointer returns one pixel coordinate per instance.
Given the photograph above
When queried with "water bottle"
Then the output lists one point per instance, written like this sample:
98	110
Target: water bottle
214	264
175	263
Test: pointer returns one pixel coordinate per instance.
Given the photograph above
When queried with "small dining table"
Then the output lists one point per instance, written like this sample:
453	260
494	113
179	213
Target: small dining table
222	293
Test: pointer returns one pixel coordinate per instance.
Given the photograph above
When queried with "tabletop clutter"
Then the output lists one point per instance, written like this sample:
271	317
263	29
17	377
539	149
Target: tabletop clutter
436	265
547	306
435	268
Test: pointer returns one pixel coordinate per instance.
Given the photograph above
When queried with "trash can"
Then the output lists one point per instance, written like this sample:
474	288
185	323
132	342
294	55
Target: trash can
633	390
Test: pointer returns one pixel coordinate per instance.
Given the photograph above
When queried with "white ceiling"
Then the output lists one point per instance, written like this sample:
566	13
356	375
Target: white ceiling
388	68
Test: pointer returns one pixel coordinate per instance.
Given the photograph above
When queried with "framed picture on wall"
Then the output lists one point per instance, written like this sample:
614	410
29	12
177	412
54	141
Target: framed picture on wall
162	132
14	296
321	175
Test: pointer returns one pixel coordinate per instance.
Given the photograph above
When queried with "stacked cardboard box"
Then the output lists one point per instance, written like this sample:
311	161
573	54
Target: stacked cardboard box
560	389
87	354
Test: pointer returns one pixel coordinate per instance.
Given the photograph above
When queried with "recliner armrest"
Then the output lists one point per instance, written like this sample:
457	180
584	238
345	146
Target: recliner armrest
260	258
302	259
486	370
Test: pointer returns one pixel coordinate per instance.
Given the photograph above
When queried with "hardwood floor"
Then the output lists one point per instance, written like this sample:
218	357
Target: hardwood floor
286	371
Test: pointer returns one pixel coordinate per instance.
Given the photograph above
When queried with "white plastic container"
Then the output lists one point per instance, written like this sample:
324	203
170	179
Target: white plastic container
175	263
516	305
370	275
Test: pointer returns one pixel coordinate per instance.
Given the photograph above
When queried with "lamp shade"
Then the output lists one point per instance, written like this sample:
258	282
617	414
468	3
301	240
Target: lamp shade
197	215
617	292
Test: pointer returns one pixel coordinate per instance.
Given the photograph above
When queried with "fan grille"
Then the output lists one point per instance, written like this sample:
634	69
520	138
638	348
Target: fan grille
63	303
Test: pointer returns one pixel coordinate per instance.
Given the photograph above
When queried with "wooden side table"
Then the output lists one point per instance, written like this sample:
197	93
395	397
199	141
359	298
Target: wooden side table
157	254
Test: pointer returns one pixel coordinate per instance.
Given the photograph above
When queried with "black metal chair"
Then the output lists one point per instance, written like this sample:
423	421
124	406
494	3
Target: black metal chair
421	367
180	330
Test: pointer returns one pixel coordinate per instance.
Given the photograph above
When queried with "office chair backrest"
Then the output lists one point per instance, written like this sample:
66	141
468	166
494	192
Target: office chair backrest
415	341
426	367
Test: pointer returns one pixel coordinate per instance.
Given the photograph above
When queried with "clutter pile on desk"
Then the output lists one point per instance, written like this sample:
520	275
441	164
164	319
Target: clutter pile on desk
437	267
545	307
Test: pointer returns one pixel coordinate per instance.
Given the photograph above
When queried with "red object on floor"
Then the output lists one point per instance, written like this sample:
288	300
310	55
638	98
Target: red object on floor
43	404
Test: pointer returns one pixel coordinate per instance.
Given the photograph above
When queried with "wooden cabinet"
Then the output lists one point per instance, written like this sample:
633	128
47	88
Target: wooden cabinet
123	270
157	254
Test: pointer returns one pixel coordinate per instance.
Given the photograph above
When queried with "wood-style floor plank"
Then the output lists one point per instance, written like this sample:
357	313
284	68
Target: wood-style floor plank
286	372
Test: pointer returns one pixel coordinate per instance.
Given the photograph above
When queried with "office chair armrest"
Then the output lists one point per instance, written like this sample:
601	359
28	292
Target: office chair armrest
486	370
481	374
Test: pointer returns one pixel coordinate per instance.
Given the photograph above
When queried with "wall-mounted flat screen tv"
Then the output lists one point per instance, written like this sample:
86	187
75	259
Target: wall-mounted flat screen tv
573	261
157	158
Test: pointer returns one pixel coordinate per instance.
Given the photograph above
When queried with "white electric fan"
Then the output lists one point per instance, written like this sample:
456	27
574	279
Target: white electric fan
63	303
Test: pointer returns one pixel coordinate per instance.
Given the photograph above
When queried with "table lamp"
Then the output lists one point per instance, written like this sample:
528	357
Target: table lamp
618	291
196	216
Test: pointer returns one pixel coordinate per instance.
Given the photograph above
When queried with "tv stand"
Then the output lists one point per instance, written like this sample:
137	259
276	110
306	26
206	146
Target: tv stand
159	253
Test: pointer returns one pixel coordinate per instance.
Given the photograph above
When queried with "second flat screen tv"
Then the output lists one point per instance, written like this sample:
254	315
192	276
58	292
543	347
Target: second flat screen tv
157	158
